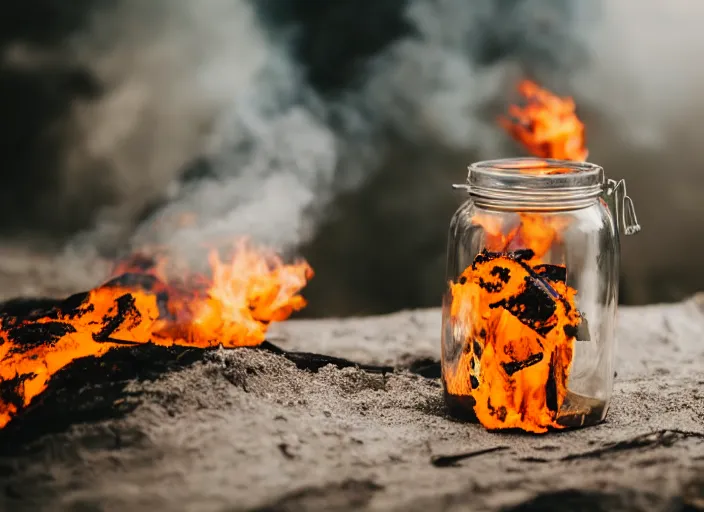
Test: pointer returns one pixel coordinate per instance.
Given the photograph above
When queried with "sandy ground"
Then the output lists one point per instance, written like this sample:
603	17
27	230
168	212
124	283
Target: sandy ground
247	430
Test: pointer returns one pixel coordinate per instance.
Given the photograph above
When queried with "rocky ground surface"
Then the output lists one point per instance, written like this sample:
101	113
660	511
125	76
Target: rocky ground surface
247	430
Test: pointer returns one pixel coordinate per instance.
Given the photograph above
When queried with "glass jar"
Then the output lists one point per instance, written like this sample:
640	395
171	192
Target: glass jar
532	291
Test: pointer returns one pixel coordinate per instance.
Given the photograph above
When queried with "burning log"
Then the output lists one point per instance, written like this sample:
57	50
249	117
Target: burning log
92	344
141	306
92	388
89	389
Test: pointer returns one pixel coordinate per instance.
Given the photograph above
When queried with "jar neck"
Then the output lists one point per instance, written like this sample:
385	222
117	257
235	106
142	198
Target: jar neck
546	205
532	199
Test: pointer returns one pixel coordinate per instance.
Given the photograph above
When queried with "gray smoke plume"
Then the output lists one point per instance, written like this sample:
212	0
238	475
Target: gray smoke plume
332	128
211	79
220	118
171	68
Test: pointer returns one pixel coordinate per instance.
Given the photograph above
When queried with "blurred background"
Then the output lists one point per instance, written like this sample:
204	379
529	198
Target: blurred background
330	130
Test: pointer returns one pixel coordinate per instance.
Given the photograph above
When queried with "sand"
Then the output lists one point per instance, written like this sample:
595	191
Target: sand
247	430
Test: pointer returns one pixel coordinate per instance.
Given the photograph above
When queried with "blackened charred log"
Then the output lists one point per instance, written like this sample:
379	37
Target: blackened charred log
126	313
94	389
533	307
570	331
144	282
522	254
555	273
516	366
72	306
89	389
502	273
102	380
489	286
24	307
16	311
29	336
9	390
519	255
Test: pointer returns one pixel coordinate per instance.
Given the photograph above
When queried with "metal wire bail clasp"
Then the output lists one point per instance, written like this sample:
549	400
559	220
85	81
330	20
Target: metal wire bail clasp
623	204
464	186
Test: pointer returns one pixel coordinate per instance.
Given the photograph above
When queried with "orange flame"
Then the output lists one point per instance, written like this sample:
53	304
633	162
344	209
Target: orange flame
233	308
546	125
517	315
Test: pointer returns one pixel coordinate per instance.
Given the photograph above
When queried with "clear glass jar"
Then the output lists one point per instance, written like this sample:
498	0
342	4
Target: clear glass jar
532	291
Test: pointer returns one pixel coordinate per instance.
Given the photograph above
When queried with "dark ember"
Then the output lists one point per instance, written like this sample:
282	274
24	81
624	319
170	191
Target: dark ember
29	336
127	315
533	307
516	366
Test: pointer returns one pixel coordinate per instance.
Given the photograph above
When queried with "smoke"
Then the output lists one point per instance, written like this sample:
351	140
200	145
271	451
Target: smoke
170	68
220	118
270	161
229	84
332	126
642	54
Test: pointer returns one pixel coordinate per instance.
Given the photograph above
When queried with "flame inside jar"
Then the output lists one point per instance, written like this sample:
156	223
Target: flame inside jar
232	307
519	323
515	314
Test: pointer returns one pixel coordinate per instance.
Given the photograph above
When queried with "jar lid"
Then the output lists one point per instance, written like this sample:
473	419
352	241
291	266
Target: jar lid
535	174
543	183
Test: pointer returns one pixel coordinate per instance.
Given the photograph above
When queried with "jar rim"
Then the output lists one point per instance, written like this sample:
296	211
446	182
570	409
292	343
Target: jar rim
535	173
535	179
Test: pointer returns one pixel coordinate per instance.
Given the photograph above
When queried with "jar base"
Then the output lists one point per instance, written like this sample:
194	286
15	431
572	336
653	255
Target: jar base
581	411
577	410
461	407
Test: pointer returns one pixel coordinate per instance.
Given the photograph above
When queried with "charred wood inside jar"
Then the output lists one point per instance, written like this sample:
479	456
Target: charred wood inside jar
519	321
